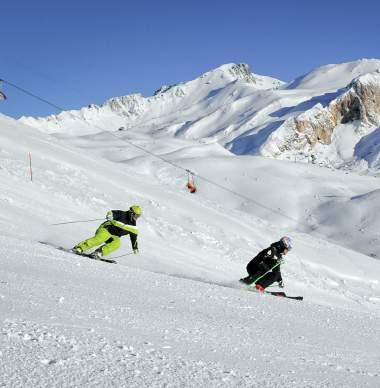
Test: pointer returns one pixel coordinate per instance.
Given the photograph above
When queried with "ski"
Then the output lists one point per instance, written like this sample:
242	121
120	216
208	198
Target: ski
111	261
283	295
88	256
279	294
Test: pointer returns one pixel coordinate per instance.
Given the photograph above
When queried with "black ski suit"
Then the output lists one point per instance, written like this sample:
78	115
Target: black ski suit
264	262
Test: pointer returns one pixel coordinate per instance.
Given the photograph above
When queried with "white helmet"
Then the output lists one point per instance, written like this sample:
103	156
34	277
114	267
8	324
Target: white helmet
287	241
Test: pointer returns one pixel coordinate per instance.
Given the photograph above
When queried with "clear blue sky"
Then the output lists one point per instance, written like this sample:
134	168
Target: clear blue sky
79	52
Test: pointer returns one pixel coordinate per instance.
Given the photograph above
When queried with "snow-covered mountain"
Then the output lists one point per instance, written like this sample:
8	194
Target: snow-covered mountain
320	117
168	105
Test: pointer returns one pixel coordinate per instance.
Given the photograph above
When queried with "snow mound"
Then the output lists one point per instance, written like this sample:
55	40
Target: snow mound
339	217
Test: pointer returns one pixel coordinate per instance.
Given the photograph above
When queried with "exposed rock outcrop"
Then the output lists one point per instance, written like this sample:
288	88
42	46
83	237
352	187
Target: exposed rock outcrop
360	102
241	71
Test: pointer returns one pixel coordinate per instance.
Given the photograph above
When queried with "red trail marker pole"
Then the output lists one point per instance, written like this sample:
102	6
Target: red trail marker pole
30	167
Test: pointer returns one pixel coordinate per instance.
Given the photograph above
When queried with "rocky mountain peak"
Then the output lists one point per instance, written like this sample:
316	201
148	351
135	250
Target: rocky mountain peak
240	71
355	111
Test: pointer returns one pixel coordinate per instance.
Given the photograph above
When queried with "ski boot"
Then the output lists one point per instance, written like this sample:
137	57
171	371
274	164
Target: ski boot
259	288
247	280
77	250
97	255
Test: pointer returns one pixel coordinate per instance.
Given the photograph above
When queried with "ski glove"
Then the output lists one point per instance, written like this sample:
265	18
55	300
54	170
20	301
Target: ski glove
109	216
281	284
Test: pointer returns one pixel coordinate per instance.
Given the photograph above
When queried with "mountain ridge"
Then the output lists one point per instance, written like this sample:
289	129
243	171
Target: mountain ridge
246	113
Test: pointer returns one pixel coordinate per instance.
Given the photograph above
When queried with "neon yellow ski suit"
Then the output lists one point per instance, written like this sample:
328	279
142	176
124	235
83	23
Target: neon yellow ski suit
120	223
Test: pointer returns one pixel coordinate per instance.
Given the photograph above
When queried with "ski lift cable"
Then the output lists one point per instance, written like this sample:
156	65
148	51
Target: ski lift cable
188	171
31	94
59	108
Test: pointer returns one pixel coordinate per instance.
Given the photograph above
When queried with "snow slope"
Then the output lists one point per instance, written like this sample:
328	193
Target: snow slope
175	315
334	76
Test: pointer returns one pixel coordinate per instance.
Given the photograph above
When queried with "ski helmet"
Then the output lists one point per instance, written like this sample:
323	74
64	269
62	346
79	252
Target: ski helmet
136	210
287	241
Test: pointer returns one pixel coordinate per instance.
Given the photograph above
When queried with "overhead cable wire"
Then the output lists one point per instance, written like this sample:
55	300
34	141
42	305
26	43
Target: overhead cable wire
32	94
246	198
59	108
95	125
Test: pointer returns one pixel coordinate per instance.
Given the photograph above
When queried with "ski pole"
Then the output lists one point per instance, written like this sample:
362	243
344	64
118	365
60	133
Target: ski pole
75	222
126	254
269	270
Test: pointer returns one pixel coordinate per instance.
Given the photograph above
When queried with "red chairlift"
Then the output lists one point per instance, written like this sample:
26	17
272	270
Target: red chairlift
190	182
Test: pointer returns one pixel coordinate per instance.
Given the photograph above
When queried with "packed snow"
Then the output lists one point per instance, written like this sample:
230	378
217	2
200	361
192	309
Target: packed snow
175	315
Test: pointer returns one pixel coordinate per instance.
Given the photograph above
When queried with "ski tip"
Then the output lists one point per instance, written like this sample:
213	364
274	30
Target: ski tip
110	261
